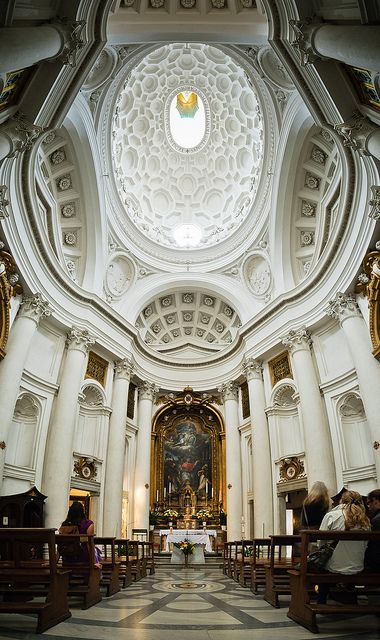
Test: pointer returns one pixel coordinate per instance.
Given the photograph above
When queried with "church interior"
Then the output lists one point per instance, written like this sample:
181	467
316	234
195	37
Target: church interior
189	285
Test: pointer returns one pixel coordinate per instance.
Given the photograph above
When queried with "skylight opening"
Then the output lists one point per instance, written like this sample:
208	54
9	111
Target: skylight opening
187	119
187	236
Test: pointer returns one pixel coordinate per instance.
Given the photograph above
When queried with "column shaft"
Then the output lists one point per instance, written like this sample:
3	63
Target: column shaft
115	462
142	472
233	461
11	368
345	308
356	45
59	451
262	463
22	47
318	447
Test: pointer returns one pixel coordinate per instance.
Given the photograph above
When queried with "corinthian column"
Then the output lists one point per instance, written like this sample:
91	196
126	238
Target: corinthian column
229	392
345	309
318	447
59	451
113	492
146	395
31	311
262	464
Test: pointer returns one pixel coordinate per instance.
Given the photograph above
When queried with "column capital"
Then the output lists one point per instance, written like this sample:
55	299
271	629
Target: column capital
229	390
34	308
356	132
124	369
303	30
253	369
19	134
147	390
343	306
4	213
374	203
297	339
79	340
73	34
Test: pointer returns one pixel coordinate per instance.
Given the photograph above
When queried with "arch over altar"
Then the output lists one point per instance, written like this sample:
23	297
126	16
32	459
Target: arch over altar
188	456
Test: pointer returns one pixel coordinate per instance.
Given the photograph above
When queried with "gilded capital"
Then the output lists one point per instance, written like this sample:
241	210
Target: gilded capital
252	369
343	306
124	369
79	340
34	308
229	390
297	339
147	390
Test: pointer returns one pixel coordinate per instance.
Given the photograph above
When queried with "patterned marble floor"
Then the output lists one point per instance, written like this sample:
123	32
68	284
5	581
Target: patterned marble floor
187	604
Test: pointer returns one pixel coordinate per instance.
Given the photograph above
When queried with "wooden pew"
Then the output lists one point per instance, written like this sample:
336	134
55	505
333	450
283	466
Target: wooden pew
110	573
277	579
233	550
243	563
303	608
226	556
149	557
142	558
23	576
84	580
260	559
128	553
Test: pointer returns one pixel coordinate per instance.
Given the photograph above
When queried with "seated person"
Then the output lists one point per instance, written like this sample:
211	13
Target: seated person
372	554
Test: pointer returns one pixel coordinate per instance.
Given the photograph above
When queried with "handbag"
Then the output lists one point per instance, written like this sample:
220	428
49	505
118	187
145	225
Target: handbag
316	561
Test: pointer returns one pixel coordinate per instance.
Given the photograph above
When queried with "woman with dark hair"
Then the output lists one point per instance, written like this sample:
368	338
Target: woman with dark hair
78	523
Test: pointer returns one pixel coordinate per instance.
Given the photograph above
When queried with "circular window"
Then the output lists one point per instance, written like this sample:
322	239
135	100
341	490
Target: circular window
187	119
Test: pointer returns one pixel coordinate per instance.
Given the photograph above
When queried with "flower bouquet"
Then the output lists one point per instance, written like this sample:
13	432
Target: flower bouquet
204	514
187	549
171	513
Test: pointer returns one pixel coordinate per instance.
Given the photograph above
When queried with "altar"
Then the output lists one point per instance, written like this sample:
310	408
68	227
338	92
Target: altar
197	536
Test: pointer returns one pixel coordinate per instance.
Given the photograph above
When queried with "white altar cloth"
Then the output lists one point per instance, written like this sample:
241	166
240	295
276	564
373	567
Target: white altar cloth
197	536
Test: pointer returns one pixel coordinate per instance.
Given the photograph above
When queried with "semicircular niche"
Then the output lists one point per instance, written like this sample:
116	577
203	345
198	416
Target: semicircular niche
176	320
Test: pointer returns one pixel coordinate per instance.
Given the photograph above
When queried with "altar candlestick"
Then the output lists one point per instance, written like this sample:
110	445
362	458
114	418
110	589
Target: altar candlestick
157	496
170	487
164	492
206	487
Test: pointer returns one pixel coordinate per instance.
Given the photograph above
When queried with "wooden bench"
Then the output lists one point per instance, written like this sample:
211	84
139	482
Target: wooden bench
128	554
243	563
260	559
110	573
28	569
232	554
149	557
282	558
226	556
303	608
84	582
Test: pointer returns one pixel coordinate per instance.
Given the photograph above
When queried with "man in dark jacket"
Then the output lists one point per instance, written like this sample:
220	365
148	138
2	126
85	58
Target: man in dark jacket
372	554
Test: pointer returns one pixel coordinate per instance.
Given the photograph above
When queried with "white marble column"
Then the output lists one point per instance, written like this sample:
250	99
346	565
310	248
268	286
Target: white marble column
356	45
318	447
345	309
262	463
32	309
229	392
58	464
146	395
115	460
22	47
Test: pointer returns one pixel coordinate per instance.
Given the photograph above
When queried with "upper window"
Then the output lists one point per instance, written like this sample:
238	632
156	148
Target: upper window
187	119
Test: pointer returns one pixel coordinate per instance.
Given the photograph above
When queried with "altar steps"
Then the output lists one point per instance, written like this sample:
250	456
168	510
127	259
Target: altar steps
163	559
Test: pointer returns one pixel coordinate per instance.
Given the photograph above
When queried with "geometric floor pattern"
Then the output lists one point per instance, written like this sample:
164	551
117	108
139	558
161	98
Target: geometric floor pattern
188	604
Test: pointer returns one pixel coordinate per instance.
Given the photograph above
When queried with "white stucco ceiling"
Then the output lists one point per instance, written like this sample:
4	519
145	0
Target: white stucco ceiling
163	186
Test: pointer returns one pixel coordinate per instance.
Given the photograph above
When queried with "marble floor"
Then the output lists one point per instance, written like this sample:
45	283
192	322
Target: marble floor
187	604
